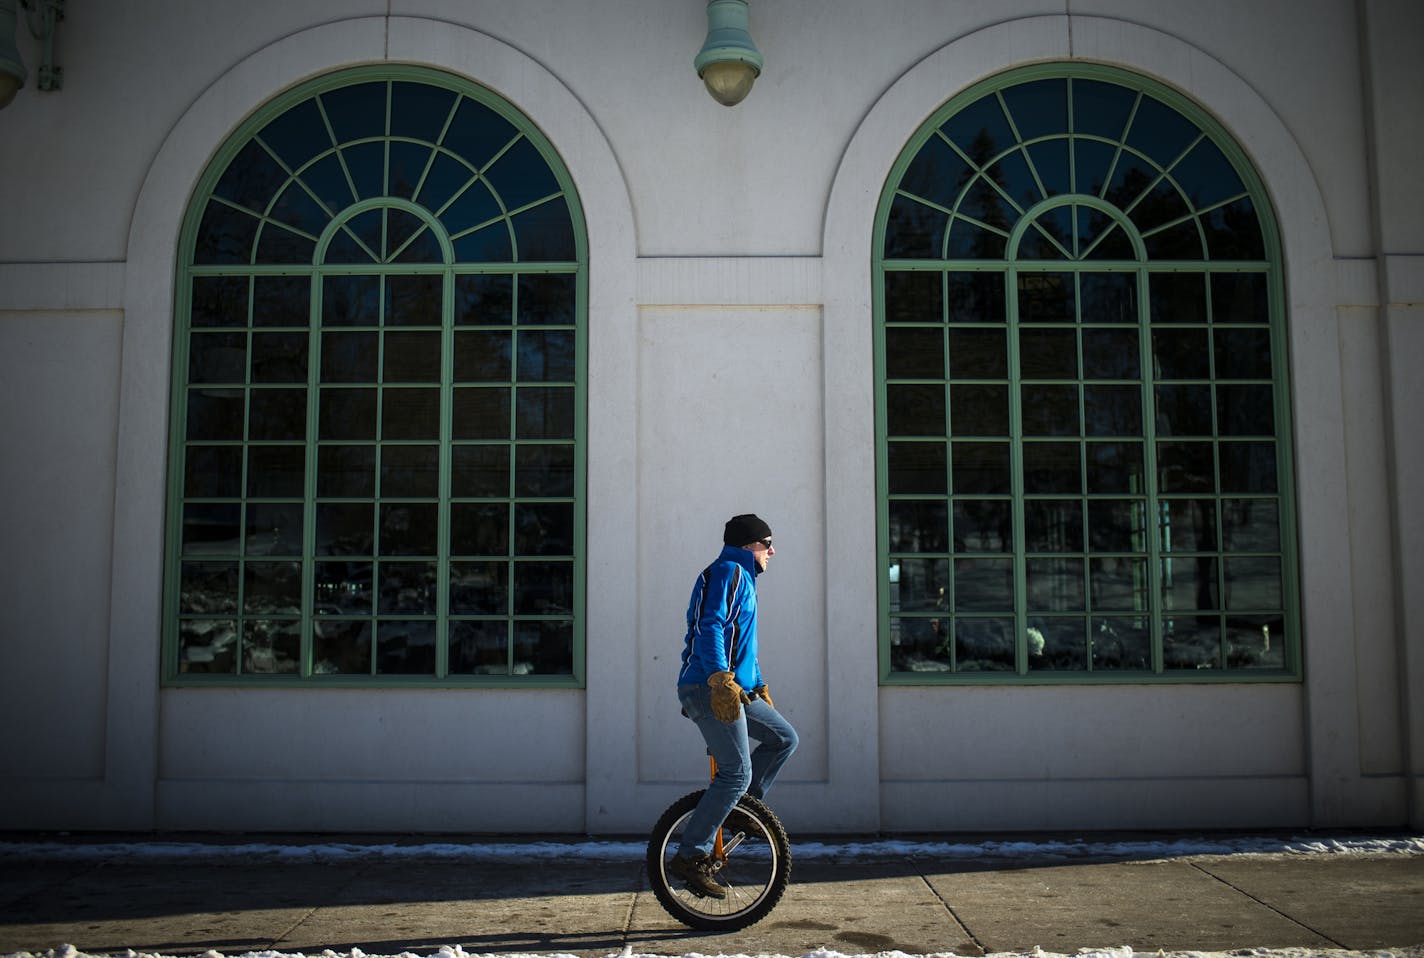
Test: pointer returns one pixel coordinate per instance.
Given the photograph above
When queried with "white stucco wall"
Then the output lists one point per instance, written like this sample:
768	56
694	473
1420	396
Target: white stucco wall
729	362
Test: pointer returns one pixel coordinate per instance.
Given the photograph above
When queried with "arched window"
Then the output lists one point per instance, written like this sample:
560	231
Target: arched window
376	461
1082	409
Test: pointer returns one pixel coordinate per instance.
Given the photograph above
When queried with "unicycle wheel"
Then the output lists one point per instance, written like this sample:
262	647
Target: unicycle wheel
755	866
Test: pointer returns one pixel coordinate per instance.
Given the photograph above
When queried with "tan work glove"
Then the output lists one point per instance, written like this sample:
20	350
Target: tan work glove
764	694
727	696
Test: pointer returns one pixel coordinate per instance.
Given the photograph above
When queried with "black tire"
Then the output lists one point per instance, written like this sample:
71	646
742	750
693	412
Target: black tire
755	869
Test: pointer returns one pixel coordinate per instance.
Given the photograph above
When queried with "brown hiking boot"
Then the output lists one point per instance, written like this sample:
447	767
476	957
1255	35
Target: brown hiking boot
697	872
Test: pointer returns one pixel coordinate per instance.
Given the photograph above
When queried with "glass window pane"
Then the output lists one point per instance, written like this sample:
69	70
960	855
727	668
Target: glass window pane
208	588
1187	525
912	353
983	525
1189	583
1109	297
346	471
1112	410
977	353
207	646
1253	583
976	298
279	357
544	470
1177	297
277	414
479	471
546	355
1110	354
219	357
346	413
479	648
980	468
914	410
1116	525
411	358
923	585
918	525
1183	410
341	648
1118	584
350	300
1049	410
979	409
1185	467
1248	467
1048	354
1055	585
1053	525
916	468
274	528
1245	410
983	585
984	644
544	528
479	588
212	528
410	471
916	297
407	587
272	588
484	299
413	300
481	413
345	528
349	357
543	588
1046	298
1116	467
479	529
546	299
1052	467
1057	643
214	414
343	588
920	644
405	647
1192	642
543	648
1242	353
482	356
409	528
219	301
212	472
410	413
1255	642
544	412
1121	643
1239	298
1251	525
271	646
1180	354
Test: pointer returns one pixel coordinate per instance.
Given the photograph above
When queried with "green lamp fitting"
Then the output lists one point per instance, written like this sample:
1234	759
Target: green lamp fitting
729	62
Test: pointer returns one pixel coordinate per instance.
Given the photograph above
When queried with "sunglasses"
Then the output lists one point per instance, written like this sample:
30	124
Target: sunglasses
766	542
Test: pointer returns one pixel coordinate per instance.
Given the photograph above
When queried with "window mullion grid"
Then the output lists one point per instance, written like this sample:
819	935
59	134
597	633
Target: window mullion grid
309	488
444	477
377	546
1016	468
511	582
1149	453
242	512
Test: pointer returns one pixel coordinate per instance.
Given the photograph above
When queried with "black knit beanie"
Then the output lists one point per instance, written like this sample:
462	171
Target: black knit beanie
745	528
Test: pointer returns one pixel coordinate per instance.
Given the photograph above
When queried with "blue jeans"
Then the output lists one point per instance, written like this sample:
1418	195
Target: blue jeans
739	768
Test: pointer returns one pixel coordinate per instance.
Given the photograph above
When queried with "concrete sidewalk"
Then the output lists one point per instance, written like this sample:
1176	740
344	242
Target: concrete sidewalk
585	907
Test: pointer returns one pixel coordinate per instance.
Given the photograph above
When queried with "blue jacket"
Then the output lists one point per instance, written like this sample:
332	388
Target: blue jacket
722	622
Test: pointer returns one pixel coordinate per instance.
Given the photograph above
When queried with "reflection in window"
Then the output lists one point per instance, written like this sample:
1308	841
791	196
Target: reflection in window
1083	440
379	364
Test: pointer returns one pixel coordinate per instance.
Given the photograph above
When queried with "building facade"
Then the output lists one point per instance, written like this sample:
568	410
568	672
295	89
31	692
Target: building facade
378	378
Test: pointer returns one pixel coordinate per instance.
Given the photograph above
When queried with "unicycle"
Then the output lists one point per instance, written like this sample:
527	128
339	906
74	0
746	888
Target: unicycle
751	859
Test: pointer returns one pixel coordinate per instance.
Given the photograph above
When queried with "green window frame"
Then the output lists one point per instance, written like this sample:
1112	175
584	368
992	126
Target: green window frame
1082	409
377	424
